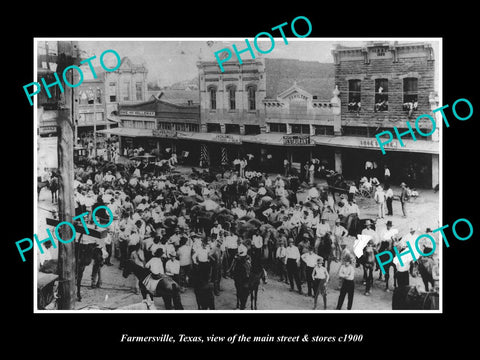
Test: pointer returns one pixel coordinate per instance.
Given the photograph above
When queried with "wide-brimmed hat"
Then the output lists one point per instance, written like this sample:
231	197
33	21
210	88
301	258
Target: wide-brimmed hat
403	184
389	223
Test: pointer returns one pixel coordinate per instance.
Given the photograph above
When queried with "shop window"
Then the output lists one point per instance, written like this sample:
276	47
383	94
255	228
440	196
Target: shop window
381	95
354	95
355	131
278	127
410	94
165	126
213	128
323	130
150	124
251	90
300	129
232	129
231	97
252	129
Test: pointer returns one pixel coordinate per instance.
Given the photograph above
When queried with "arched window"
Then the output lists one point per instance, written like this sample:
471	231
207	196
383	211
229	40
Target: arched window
410	93
212	90
231	91
251	91
381	95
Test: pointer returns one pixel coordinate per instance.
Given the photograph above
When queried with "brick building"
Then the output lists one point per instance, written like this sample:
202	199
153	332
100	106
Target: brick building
269	108
383	85
97	99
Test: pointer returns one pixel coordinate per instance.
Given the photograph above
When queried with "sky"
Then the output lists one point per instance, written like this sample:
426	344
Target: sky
172	60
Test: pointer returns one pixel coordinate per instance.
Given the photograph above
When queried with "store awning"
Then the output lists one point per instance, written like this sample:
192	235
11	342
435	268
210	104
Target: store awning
357	142
279	139
128	132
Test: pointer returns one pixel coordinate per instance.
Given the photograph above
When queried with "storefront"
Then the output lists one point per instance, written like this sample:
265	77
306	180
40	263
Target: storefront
416	163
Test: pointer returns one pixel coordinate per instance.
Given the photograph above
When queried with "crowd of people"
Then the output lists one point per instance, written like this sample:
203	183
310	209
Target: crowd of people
196	225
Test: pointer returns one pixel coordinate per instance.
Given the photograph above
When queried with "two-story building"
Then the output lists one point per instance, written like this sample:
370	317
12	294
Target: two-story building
97	99
159	127
268	108
382	85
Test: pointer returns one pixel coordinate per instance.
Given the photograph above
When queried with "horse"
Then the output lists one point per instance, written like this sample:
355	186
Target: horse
41	184
409	298
85	253
166	288
203	291
240	270
388	246
257	273
325	249
53	186
424	265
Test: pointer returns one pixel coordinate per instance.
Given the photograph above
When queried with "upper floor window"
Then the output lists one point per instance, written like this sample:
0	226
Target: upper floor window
381	95
126	91
354	88
213	97
139	91
112	91
410	94
99	96
251	97
231	97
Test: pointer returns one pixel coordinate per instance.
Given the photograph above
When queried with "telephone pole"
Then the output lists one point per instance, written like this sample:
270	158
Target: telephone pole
67	55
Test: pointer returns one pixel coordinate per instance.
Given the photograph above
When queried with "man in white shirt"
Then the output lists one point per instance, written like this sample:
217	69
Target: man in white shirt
231	246
310	260
293	262
411	237
257	245
380	200
370	232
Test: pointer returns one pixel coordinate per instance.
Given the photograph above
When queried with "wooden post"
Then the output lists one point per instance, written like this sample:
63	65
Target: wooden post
66	210
66	202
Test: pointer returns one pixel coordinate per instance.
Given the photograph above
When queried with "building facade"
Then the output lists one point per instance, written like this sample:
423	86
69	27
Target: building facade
97	99
383	85
266	110
160	128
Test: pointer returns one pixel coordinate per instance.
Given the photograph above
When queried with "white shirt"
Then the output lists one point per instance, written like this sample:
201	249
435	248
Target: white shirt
257	241
293	253
310	259
172	267
313	193
155	265
231	241
201	254
322	229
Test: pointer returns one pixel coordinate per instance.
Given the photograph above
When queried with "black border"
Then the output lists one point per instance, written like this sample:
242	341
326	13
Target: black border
397	332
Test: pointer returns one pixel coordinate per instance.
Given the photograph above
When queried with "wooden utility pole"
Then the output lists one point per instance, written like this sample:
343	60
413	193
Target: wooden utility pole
66	203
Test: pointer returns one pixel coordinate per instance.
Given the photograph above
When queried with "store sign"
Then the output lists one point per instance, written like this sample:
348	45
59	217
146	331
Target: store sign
373	143
137	113
47	130
227	139
296	140
164	133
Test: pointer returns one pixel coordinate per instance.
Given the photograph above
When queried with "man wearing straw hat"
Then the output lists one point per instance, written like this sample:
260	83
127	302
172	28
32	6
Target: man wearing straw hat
320	279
